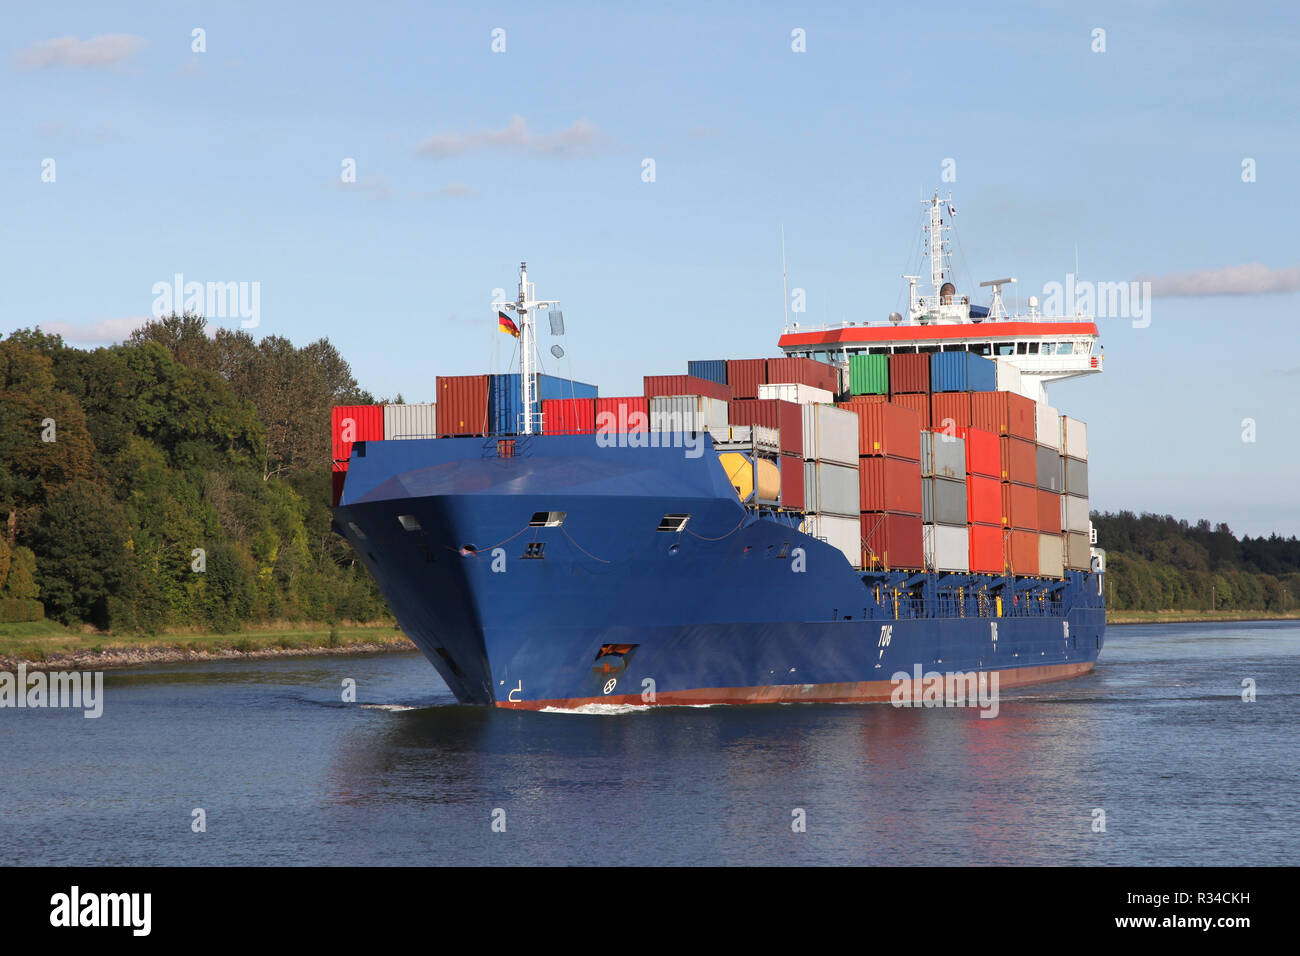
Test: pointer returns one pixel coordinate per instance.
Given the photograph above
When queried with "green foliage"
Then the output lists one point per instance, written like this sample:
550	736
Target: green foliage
13	610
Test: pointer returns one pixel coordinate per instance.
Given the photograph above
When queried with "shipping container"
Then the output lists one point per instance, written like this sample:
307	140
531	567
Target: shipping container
892	541
715	370
1051	474
1051	556
950	411
890	484
792	488
986	549
686	413
1074	438
1008	377
462	405
506	402
943	456
767	438
1018	461
984	501
1020	507
410	421
569	416
943	501
869	374
918	403
656	385
786	416
947	548
630	413
1078	552
338	478
830	434
353	423
831	489
794	392
962	372
1074	514
1022	554
1076	477
1049	512
803	371
839	532
1047	426
888	429
745	375
909	374
1003	413
982	453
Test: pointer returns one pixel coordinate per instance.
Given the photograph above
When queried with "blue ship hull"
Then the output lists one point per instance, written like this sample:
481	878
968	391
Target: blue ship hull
737	607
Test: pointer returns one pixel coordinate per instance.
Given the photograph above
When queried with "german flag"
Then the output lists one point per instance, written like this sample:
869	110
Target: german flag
505	325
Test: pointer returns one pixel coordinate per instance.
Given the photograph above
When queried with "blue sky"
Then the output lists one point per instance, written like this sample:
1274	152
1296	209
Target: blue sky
225	166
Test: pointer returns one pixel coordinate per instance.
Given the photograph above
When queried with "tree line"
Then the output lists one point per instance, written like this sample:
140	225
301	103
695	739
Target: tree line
180	479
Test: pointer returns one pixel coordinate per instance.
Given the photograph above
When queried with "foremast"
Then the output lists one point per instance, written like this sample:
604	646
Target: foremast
525	306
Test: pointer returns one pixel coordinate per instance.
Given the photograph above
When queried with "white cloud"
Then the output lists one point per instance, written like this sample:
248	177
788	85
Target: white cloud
456	191
96	53
97	333
578	137
1252	278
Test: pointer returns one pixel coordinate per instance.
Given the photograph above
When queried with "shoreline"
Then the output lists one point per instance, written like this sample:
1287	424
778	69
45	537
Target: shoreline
1124	618
117	657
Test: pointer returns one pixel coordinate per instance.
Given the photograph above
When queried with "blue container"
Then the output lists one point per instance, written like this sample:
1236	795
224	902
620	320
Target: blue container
506	400
962	372
714	370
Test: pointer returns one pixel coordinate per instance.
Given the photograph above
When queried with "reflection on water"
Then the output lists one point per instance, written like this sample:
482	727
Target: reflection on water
1157	737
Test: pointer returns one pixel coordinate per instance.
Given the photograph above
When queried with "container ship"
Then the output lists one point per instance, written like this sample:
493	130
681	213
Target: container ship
871	500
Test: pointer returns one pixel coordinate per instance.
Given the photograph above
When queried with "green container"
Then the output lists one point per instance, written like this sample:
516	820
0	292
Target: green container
869	374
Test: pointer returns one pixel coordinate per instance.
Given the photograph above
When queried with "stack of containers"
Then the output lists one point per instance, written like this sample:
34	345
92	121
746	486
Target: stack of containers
744	376
505	404
945	535
984	501
685	403
830	468
1011	417
787	417
1051	488
891	499
1074	503
350	424
909	383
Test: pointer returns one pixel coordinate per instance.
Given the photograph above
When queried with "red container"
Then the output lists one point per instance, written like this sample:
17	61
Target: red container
630	414
1022	553
949	410
339	477
1020	507
772	413
984	501
890	484
1003	413
986	549
892	541
462	405
887	430
1049	512
917	403
354	423
656	385
792	492
568	416
864	400
1017	461
745	375
804	371
982	453
909	373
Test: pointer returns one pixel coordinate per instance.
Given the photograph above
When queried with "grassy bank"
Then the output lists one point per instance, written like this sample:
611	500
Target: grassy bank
49	643
1193	617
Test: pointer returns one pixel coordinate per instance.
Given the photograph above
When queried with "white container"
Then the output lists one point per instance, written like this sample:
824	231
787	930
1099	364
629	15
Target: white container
686	413
410	421
1078	554
830	434
831	489
842	533
1008	377
1047	426
1074	514
1074	438
1051	556
947	548
795	392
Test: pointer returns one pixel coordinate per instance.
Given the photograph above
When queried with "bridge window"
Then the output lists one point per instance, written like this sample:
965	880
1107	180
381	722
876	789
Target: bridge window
1022	348
1033	348
1004	348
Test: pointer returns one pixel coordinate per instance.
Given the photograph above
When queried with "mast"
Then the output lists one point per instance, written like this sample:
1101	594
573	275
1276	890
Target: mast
524	307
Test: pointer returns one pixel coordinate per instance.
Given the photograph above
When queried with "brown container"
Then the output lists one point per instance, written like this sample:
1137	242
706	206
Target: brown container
804	371
892	541
1020	508
745	375
462	405
887	430
1049	512
917	403
1003	413
950	405
657	385
353	423
1022	554
890	484
909	374
771	413
1019	460
987	549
